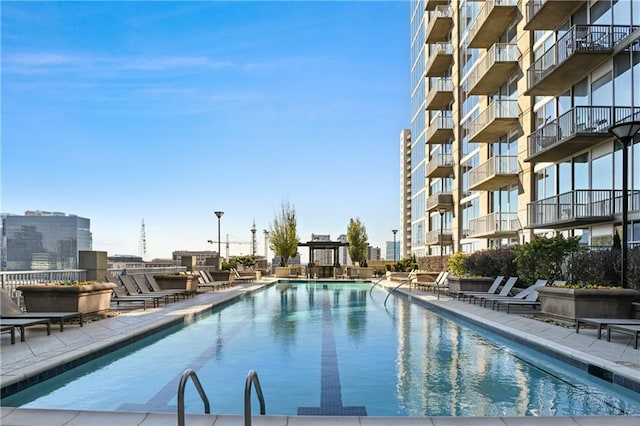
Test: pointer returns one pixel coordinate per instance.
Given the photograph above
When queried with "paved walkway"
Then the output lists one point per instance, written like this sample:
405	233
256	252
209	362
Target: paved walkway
40	353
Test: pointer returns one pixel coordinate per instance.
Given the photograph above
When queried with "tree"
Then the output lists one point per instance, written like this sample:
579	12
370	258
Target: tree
283	236
358	241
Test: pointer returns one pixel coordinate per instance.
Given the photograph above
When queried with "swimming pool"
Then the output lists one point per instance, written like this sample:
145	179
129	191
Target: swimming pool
332	349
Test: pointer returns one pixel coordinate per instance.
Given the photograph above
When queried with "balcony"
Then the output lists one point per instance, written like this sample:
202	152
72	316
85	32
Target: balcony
492	20
577	129
548	14
440	23
441	165
494	225
440	95
494	173
440	60
580	50
440	128
439	200
575	208
432	4
493	69
434	237
494	121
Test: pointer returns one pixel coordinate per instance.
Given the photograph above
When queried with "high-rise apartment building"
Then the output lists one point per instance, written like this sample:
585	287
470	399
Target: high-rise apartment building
511	102
391	247
405	192
43	240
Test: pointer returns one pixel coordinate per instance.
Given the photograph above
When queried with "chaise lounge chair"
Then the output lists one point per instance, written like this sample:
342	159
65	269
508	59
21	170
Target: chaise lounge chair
492	290
506	289
147	280
132	289
240	278
439	282
205	280
9	310
527	297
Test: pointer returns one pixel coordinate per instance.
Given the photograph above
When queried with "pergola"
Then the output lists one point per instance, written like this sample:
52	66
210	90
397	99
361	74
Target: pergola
324	245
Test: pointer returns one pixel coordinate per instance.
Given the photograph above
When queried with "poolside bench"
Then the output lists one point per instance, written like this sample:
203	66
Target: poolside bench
632	330
602	323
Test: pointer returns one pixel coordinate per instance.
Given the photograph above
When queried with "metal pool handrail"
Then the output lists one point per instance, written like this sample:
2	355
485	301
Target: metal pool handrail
376	283
408	280
252	378
189	373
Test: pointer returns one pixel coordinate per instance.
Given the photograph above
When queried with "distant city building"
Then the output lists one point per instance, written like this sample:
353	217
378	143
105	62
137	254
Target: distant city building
42	240
389	251
125	261
320	256
344	258
201	256
373	253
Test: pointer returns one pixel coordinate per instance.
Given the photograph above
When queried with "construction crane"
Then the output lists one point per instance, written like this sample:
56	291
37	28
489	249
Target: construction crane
226	245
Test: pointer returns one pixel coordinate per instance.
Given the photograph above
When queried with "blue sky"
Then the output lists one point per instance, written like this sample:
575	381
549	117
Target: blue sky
168	111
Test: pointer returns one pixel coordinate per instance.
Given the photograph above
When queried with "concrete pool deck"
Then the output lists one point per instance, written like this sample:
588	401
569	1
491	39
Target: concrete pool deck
41	354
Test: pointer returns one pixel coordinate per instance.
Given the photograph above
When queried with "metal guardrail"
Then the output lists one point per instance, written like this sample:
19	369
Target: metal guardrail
252	378
10	280
189	373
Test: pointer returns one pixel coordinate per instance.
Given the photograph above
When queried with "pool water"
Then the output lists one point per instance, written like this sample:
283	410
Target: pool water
332	349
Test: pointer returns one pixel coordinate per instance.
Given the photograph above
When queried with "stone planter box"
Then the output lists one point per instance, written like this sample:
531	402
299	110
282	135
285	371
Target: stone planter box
86	299
220	275
479	284
180	282
572	303
360	272
289	272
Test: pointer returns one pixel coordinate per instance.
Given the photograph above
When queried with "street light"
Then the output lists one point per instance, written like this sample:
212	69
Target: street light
219	215
624	132
395	231
442	211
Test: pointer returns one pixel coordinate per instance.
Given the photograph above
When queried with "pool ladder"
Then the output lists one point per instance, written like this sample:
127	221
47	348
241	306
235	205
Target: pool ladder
252	379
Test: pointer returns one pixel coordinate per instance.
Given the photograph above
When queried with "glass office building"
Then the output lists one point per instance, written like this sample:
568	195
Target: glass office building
43	241
511	103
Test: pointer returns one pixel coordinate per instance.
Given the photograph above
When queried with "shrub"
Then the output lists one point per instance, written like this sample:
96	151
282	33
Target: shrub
544	257
596	266
491	262
457	264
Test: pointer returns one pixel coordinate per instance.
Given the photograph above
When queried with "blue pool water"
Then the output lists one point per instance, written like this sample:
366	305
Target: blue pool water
332	349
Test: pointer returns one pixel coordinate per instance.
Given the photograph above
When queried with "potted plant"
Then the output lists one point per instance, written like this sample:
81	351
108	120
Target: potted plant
358	243
86	297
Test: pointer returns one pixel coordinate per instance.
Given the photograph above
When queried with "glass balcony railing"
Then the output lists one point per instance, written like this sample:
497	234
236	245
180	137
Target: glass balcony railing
440	59
493	69
495	120
440	128
440	23
440	94
436	237
440	165
494	225
439	200
494	173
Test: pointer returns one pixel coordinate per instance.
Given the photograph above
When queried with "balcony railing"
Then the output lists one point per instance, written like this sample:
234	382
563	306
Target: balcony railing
440	59
435	237
440	94
497	119
548	14
440	165
440	128
494	173
577	129
580	50
497	224
440	23
439	200
492	20
580	207
493	69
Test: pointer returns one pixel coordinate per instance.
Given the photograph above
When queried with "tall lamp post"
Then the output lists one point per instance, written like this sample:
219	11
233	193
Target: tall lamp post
624	132
442	211
219	215
395	231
